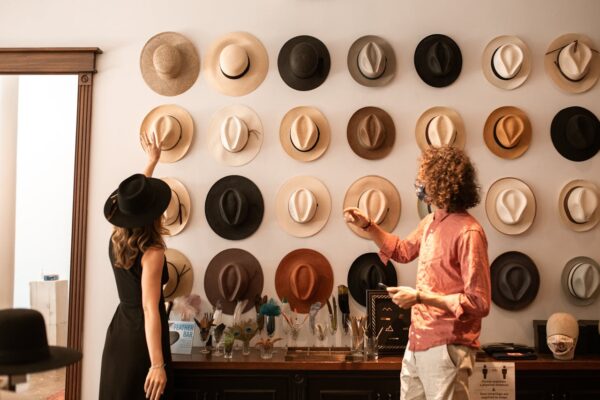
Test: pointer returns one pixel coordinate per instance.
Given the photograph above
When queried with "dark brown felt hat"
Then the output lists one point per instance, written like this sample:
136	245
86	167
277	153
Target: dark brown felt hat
515	280
371	133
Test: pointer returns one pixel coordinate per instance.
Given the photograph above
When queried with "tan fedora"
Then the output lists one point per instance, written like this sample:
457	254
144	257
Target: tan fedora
371	133
507	132
236	64
506	62
304	277
378	199
170	64
578	205
440	126
303	206
174	126
510	206
581	280
177	214
181	275
304	133
235	135
573	63
371	61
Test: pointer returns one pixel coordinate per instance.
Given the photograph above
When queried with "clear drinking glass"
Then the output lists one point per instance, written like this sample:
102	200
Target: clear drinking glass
371	348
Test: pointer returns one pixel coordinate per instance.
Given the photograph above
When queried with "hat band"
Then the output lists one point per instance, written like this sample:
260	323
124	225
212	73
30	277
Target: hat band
178	277
22	356
239	75
566	208
496	72
180	135
312	147
376	77
558	50
498	141
179	213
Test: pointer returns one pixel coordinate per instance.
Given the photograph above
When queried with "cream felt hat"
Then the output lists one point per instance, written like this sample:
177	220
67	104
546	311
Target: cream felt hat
371	61
506	62
177	214
378	199
510	206
581	280
573	63
507	132
170	64
181	275
303	206
304	133
578	205
440	126
174	126
235	135
236	64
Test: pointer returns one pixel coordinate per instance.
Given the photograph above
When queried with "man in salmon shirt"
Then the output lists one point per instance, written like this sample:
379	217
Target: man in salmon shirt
452	293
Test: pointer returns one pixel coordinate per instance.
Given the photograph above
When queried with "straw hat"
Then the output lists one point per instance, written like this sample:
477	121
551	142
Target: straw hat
304	133
515	280
371	133
510	206
438	60
177	214
580	279
174	126
169	63
575	133
507	132
578	205
181	275
371	61
440	126
303	62
506	62
236	64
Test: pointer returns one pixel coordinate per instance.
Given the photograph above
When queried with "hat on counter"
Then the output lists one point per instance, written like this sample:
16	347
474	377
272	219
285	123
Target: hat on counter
366	272
304	62
440	126
438	60
575	133
578	205
371	61
510	206
177	214
371	133
507	132
581	280
173	126
304	133
515	280
181	275
506	62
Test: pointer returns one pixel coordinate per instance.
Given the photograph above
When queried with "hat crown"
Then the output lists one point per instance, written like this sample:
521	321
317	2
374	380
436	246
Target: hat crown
134	194
581	131
441	131
167	61
562	324
582	203
233	282
440	58
371	132
173	210
304	133
22	337
303	281
373	202
507	60
304	60
515	280
370	276
234	134
509	130
510	206
234	61
302	205
233	207
584	280
574	60
371	60
169	131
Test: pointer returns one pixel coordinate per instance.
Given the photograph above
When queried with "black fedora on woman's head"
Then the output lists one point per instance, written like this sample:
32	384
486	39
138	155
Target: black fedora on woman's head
303	62
575	133
438	60
138	201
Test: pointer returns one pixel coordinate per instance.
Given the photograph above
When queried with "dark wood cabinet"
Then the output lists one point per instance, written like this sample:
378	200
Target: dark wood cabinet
354	386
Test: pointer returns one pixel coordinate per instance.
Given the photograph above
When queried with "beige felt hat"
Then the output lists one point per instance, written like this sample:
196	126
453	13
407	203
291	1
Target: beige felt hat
169	63
371	61
304	133
177	214
581	280
578	205
506	62
303	206
371	133
235	135
378	199
507	132
573	63
440	126
236	64
174	125
181	275
510	206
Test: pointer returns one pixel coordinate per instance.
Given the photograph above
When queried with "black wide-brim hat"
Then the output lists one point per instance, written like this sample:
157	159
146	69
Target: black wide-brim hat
24	345
234	207
138	201
575	133
438	60
290	54
366	272
515	280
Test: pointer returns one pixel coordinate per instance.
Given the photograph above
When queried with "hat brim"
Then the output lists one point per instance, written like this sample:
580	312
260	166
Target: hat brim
559	139
528	215
507	259
59	357
562	206
285	69
488	59
354	142
187	130
324	133
564	279
186	278
489	133
428	115
390	68
185	202
364	260
421	65
322	213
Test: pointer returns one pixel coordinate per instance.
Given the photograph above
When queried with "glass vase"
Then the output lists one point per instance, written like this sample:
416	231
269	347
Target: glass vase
245	347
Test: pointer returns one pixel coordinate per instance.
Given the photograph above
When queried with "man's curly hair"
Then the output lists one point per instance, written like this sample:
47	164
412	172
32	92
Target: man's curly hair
449	177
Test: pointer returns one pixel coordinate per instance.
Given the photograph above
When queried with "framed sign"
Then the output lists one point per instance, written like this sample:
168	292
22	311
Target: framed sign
389	321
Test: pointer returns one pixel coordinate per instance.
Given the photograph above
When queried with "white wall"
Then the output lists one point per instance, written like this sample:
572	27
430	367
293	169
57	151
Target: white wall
121	99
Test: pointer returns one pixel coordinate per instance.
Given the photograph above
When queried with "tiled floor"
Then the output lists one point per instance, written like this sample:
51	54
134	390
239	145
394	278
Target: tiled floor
47	385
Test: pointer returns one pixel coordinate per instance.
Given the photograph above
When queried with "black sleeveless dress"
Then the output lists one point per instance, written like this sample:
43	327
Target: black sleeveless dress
125	360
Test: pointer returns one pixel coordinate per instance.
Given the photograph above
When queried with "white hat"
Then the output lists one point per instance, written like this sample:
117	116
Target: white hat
581	280
578	205
440	126
506	62
510	206
573	63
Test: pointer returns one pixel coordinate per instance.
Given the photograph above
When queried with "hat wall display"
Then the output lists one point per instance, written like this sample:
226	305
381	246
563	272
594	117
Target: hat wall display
578	205
170	64
515	280
138	201
177	214
235	135
304	277
371	61
581	280
233	275
173	126
575	133
181	275
506	62
366	272
440	126
507	132
573	63
371	133
510	206
303	62
303	206
304	133
24	344
378	199
236	64
234	207
438	60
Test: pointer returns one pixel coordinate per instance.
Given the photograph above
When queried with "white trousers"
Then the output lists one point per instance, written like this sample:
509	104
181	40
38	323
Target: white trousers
439	373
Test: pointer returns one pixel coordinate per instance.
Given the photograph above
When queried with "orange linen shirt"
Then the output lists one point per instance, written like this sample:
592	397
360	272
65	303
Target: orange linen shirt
453	261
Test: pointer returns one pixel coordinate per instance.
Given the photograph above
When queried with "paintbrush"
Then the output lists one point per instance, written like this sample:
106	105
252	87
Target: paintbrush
344	306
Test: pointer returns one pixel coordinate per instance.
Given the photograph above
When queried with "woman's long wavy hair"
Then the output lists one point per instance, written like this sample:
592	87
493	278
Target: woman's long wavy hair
128	243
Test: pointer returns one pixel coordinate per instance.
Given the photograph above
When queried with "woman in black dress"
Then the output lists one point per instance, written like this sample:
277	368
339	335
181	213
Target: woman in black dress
136	358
